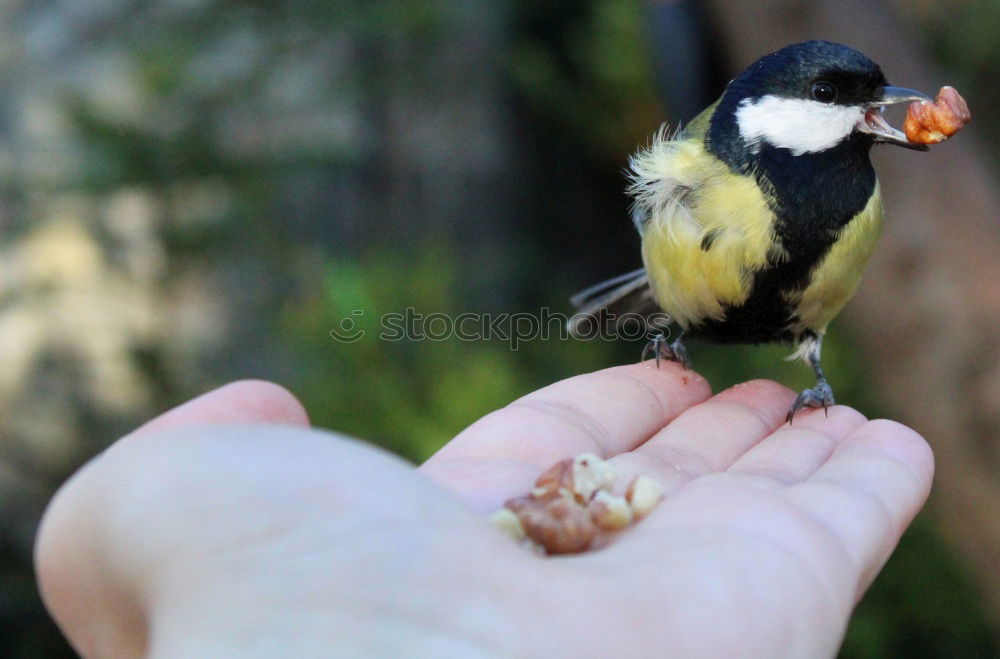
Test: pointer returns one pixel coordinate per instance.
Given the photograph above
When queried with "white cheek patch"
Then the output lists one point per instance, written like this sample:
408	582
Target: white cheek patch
799	125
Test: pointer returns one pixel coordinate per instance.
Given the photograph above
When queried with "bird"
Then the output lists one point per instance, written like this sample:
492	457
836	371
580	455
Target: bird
758	216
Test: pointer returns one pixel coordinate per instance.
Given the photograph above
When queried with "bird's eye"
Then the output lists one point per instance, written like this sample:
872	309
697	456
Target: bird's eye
824	92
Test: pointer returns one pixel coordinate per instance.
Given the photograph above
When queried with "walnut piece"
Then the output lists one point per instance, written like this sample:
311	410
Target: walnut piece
571	508
580	477
554	481
507	521
642	495
590	475
559	524
610	512
931	123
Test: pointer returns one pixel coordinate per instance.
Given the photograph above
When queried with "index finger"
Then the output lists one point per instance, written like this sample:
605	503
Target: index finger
607	412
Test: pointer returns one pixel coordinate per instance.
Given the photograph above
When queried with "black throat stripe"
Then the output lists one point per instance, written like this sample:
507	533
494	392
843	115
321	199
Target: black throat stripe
813	196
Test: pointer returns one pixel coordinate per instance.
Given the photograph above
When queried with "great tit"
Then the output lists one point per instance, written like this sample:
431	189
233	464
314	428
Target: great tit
757	218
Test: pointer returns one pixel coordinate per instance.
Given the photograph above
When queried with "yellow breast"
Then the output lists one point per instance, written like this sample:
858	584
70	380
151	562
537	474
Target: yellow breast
692	194
835	279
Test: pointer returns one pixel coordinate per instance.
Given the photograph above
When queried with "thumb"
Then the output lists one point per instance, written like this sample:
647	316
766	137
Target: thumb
246	401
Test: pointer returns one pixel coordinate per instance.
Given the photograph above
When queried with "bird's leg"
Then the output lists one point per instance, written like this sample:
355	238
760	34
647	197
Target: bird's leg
819	396
681	352
673	351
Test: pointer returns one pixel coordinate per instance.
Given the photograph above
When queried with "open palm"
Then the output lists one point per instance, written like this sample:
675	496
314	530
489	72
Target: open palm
214	532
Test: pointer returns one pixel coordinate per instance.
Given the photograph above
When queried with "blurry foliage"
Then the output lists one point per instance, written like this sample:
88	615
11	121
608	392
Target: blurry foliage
923	604
411	395
584	67
725	365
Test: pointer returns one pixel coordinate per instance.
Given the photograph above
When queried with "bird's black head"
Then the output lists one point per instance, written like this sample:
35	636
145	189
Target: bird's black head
820	71
806	98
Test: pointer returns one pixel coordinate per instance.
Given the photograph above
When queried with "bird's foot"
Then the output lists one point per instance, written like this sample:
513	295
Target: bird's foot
661	349
819	396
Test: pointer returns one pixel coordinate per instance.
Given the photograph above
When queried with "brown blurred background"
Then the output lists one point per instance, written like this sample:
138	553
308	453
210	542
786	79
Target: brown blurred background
197	191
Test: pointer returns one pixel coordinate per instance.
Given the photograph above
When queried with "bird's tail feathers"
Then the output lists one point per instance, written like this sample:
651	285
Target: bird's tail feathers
612	299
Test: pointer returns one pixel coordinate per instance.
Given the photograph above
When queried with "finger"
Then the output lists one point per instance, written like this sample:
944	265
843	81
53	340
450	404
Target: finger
70	560
711	436
607	413
868	492
246	401
794	452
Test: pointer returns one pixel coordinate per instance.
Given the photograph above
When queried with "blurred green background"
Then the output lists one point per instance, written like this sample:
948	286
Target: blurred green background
197	191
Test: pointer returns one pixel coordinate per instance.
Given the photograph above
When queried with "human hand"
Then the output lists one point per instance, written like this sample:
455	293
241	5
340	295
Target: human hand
213	532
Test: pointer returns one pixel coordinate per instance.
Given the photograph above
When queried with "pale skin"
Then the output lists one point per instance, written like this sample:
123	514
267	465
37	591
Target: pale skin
228	528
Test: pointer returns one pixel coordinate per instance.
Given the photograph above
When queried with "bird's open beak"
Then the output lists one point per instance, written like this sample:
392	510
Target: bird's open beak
875	125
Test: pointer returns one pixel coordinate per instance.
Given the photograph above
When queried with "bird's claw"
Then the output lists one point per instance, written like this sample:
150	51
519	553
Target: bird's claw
819	396
675	352
658	345
681	354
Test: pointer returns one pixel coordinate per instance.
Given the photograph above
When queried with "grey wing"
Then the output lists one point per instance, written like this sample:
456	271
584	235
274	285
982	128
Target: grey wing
627	293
